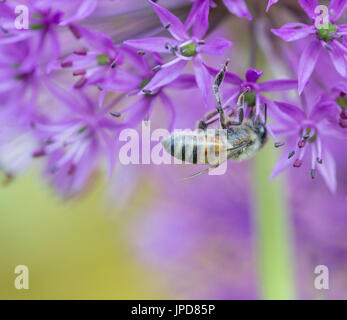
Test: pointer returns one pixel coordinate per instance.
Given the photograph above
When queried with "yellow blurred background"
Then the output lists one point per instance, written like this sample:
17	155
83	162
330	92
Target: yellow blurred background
74	249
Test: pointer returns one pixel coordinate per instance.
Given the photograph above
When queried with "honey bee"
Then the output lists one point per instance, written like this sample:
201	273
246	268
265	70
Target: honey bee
239	139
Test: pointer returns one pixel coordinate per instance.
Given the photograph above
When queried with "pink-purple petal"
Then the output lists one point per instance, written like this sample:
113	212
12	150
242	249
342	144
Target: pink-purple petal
202	76
292	111
86	8
151	44
278	85
175	26
308	62
283	162
169	105
184	81
215	46
166	75
201	23
323	110
336	9
339	60
252	75
238	8
309	7
294	31
328	170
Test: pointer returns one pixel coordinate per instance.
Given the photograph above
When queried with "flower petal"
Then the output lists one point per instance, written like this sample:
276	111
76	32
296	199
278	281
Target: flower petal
308	62
124	81
294	31
278	85
309	6
338	58
322	110
193	13
229	77
151	44
166	75
84	10
203	78
184	81
336	9
215	47
238	8
283	162
201	23
252	75
169	105
328	170
292	111
176	27
96	39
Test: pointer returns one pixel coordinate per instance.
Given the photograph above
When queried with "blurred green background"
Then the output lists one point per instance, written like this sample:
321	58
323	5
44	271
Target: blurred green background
74	249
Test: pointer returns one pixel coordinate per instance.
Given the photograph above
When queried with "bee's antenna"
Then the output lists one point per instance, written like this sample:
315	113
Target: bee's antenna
265	113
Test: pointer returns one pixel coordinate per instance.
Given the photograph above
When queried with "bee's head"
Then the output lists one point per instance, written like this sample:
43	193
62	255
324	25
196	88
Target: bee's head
260	127
260	130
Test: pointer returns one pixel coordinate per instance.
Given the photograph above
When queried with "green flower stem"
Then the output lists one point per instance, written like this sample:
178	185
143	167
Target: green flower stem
273	229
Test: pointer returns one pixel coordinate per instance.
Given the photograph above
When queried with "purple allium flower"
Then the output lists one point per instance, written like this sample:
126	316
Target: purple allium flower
74	144
331	36
135	82
46	17
182	237
254	98
17	142
183	47
19	77
236	7
95	63
308	133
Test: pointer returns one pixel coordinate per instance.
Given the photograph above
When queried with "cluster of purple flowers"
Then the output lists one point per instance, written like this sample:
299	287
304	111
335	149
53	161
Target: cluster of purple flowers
50	72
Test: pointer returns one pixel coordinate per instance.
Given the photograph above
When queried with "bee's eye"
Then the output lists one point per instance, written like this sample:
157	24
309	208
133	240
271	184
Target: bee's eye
262	131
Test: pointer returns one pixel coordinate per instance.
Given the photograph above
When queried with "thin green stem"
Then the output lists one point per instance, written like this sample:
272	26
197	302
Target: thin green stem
273	229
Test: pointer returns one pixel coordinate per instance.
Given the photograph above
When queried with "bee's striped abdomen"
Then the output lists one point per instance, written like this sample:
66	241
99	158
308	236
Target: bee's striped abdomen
195	147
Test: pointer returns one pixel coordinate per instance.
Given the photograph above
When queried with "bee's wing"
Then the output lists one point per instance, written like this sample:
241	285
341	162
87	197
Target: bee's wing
215	166
237	148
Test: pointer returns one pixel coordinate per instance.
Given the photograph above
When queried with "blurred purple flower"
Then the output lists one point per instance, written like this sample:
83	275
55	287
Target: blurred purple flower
308	133
46	17
236	7
184	47
213	254
19	78
17	142
73	145
331	37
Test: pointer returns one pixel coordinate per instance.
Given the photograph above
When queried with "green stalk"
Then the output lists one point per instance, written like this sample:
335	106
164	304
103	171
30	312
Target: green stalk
273	229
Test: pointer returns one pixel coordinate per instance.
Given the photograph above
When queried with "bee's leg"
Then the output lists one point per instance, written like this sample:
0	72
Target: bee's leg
240	108
223	118
203	123
206	120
